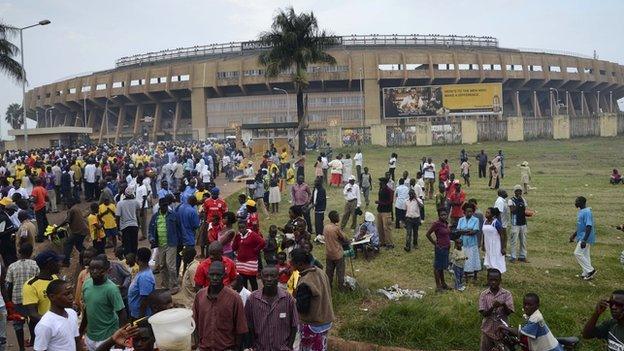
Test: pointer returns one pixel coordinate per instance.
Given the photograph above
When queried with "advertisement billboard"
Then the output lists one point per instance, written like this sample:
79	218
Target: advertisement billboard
440	100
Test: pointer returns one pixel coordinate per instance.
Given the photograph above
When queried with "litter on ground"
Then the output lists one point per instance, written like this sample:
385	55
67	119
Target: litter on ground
395	293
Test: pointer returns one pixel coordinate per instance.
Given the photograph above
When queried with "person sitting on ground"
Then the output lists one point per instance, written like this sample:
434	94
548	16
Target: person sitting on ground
616	177
611	330
367	228
534	333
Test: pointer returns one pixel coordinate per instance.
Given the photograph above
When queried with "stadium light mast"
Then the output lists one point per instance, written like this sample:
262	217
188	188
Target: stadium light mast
21	31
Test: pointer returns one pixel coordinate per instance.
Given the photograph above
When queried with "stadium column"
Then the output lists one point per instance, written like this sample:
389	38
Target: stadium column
198	111
156	121
608	124
176	118
137	119
372	101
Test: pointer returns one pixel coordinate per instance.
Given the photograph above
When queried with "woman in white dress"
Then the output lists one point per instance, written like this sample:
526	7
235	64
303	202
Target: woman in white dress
347	168
494	241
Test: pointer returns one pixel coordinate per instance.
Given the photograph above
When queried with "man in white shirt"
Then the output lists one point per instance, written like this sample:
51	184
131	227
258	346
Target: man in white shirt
58	330
143	198
429	176
17	188
351	193
401	194
89	177
502	205
358	159
324	166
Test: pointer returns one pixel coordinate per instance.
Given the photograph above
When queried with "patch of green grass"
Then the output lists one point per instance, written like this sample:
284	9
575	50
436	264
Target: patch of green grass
561	170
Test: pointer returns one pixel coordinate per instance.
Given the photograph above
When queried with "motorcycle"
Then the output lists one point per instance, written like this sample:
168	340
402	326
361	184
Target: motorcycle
511	342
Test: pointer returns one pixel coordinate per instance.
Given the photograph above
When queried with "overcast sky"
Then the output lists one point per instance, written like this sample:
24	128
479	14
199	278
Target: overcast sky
87	36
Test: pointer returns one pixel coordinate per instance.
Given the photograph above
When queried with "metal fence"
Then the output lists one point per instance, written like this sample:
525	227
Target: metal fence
492	129
401	135
446	133
315	138
582	126
538	128
356	136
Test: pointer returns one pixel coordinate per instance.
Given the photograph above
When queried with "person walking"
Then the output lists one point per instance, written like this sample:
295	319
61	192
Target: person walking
141	286
78	230
164	233
517	208
384	213
314	302
401	194
58	328
585	236
301	196
525	176
366	183
127	214
334	254
351	193
17	274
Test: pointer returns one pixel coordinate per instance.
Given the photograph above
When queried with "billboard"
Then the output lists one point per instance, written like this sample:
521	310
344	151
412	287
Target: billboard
440	100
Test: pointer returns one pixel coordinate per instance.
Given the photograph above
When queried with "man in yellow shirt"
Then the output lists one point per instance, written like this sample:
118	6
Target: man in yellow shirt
34	297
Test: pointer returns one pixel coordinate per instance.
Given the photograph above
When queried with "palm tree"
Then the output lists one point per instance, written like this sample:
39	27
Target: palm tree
295	41
13	116
8	51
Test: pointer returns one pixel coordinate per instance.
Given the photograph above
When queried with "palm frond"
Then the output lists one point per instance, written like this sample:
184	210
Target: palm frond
12	68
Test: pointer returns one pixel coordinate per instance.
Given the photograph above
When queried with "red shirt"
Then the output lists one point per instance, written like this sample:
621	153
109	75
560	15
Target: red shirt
201	274
455	198
248	247
253	221
213	231
39	193
284	273
214	207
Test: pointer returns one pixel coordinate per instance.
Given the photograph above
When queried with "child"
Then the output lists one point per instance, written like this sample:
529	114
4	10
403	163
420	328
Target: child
96	229
392	163
214	228
58	328
275	196
465	172
440	198
284	270
85	258
458	258
290	180
130	262
106	213
270	250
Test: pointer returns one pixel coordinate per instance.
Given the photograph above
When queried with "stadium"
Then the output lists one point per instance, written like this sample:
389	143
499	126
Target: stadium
221	90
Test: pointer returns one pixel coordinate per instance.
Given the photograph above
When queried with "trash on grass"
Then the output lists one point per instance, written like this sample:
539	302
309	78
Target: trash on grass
350	282
395	293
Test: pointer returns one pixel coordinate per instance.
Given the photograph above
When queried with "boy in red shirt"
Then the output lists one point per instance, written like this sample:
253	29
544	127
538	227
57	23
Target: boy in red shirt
214	205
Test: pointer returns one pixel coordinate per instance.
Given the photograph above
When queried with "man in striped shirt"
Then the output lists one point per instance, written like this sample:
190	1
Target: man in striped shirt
271	314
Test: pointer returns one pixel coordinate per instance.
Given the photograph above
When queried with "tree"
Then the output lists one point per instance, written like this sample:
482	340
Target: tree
14	116
294	42
8	51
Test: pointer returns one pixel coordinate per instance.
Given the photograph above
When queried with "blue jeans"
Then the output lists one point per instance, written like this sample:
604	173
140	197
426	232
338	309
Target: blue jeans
459	276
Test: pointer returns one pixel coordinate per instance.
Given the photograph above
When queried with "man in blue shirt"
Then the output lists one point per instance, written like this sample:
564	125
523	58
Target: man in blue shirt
142	285
189	221
585	236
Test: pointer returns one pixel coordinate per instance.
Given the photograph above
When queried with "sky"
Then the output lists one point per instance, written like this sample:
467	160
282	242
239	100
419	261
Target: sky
87	36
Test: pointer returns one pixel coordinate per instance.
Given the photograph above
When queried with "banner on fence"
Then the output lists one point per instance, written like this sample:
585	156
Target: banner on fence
440	100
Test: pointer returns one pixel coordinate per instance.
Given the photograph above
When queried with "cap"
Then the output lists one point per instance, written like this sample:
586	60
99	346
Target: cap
250	203
6	201
517	187
215	190
369	217
47	256
352	177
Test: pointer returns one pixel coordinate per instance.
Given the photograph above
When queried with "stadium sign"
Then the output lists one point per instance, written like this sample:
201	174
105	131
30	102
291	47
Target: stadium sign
441	100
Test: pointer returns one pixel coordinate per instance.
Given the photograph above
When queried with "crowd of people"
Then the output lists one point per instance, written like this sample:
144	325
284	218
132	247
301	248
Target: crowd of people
147	210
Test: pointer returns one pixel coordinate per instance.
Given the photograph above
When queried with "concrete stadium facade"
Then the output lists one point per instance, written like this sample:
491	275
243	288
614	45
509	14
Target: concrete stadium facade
215	90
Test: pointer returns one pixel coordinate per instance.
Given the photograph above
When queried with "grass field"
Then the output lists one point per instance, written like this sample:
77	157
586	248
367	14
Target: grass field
561	171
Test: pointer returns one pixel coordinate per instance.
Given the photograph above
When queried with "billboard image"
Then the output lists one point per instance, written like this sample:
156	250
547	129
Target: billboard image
440	100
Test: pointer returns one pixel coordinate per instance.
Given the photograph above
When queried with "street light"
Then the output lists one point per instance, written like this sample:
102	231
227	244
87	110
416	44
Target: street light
287	101
21	30
45	115
557	101
106	117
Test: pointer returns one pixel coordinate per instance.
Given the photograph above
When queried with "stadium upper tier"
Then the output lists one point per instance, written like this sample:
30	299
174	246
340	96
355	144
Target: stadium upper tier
219	86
